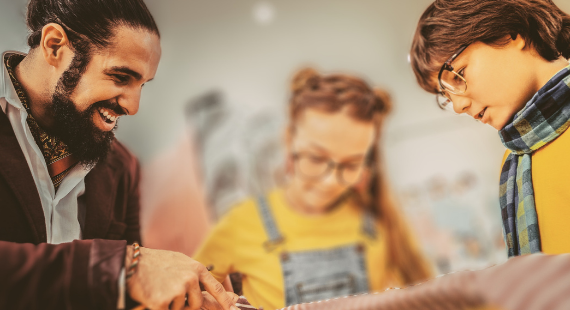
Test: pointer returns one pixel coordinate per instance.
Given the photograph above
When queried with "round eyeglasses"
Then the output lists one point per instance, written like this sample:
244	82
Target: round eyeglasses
317	168
450	81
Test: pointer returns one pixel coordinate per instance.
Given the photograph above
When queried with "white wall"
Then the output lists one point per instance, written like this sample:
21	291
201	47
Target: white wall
216	44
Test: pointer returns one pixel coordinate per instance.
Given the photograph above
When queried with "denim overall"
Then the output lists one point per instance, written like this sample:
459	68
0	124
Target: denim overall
319	274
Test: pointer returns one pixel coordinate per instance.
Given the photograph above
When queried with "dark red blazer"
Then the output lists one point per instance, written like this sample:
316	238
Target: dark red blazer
78	275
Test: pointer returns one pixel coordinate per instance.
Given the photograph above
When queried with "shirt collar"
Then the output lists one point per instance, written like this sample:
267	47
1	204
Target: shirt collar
7	90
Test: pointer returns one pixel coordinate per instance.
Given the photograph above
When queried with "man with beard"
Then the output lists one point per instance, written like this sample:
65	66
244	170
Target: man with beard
66	183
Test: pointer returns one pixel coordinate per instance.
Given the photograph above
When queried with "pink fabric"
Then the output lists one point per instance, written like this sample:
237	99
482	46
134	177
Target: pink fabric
174	213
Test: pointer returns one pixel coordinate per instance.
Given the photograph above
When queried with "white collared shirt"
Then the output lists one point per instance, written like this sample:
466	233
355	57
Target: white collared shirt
61	207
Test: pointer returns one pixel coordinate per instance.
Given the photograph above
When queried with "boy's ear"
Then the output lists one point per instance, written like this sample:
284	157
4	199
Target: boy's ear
519	41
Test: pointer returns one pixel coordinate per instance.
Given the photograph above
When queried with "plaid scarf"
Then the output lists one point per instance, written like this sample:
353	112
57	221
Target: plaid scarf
545	117
56	154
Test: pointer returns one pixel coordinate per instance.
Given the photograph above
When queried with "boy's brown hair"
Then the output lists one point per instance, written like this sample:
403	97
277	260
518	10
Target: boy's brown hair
446	25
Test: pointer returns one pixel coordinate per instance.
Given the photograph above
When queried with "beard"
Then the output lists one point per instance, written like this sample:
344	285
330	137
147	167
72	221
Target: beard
75	128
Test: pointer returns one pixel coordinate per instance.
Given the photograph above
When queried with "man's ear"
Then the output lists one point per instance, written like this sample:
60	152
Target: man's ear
54	45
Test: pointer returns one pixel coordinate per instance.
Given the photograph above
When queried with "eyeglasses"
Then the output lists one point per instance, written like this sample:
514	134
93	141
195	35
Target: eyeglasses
318	167
450	81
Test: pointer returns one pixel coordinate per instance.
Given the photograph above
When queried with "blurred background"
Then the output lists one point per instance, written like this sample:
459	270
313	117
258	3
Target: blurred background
210	127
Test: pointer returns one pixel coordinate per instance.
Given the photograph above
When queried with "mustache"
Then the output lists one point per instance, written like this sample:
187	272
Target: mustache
115	107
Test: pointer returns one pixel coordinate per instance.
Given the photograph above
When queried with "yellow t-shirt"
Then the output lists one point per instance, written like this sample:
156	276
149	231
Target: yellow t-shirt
551	183
236	245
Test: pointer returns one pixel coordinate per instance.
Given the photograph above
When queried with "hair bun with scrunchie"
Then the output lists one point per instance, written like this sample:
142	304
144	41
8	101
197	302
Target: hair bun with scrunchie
307	78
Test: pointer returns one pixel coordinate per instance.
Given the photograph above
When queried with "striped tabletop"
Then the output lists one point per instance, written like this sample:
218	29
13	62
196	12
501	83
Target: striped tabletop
522	283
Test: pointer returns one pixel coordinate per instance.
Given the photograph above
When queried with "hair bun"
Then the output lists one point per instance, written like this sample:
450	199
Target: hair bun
305	78
384	100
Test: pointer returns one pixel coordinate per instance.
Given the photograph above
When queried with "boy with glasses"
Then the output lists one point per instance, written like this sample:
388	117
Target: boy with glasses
505	63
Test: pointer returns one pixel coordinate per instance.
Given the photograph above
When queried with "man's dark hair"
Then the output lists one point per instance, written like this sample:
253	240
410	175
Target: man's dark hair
88	24
89	21
446	25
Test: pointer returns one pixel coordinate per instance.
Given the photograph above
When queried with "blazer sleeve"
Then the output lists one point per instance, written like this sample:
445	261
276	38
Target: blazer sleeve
82	274
132	219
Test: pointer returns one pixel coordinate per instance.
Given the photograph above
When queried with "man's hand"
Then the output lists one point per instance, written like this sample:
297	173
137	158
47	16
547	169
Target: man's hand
211	303
163	280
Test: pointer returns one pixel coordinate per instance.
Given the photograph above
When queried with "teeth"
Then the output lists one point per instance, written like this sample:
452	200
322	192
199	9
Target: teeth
107	115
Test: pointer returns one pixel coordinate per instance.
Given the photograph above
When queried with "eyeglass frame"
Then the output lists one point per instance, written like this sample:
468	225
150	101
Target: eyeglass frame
331	166
447	66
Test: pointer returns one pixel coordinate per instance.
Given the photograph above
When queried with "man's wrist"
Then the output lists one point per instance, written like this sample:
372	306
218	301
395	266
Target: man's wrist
133	266
130	303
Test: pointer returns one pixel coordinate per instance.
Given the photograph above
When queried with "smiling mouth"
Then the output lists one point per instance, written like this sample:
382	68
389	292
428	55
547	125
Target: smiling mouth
108	117
481	114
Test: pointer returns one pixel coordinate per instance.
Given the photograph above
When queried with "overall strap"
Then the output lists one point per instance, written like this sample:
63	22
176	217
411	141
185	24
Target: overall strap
275	237
369	225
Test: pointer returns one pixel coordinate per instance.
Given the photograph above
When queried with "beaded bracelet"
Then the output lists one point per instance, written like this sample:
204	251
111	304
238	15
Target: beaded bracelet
135	262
